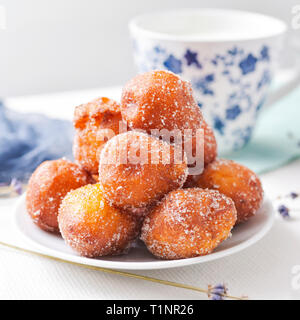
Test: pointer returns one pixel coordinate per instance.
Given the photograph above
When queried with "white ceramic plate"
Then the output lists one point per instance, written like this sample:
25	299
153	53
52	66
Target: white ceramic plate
139	258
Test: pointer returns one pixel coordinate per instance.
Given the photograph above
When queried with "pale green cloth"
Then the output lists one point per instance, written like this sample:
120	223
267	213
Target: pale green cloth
276	139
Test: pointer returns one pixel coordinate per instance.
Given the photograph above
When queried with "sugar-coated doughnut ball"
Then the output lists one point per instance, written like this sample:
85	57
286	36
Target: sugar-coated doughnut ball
48	185
188	223
237	182
136	169
210	144
209	153
95	123
199	158
92	227
206	143
160	100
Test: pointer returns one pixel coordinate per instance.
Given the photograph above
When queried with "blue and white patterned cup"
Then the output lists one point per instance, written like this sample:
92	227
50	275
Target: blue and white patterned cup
229	57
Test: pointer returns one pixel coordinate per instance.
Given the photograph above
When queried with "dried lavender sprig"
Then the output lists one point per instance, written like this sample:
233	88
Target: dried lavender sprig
117	272
217	292
292	195
12	188
17	186
284	211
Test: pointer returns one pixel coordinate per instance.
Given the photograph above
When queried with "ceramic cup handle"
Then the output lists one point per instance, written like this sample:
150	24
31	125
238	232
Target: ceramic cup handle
291	82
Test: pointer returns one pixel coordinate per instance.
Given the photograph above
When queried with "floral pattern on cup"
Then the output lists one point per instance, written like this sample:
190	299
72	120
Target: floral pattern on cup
230	84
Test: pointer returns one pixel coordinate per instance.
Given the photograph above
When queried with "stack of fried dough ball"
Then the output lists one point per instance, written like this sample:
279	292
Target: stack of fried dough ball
94	123
130	181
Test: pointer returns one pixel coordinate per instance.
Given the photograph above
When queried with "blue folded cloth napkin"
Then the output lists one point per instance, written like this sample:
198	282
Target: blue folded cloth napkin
26	140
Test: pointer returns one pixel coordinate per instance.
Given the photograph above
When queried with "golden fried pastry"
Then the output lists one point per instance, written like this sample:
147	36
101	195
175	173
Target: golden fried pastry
160	100
210	143
207	154
92	227
95	123
188	223
237	182
48	185
137	169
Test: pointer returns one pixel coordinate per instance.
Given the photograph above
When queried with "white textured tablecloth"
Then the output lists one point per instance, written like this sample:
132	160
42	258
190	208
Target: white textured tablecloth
263	271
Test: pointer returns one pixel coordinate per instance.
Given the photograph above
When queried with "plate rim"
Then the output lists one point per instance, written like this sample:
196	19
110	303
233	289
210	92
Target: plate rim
153	265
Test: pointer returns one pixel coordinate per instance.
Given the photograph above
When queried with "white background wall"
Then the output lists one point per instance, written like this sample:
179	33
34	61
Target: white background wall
58	45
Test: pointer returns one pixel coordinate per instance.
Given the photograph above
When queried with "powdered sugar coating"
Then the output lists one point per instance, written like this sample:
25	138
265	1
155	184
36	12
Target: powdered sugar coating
92	227
210	144
129	185
93	122
48	185
188	223
160	100
237	182
209	149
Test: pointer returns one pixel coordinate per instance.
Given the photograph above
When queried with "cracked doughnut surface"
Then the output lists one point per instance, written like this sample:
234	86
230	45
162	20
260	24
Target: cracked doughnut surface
95	123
